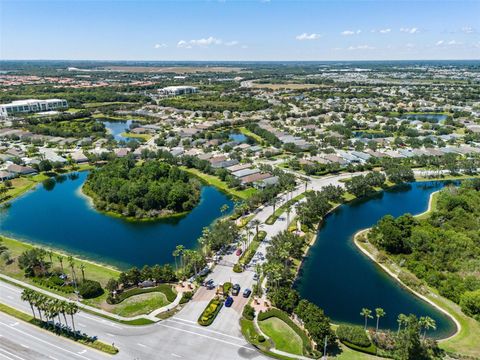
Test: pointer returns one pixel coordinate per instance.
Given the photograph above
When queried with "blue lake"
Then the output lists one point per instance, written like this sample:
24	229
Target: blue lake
340	279
62	218
116	128
431	118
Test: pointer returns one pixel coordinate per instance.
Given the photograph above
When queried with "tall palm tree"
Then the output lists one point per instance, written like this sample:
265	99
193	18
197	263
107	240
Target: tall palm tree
401	320
29	296
63	310
179	252
60	260
39	302
82	269
366	313
256	223
379	312
50	256
71	263
71	309
428	323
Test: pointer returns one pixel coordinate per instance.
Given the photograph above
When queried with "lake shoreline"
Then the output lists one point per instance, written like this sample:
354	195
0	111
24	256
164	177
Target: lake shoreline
395	277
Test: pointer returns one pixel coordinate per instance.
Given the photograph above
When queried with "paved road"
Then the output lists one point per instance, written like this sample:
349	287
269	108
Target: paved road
176	338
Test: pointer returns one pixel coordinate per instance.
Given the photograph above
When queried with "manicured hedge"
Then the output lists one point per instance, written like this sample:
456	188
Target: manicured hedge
166	289
355	337
353	334
210	312
264	315
52	283
372	349
186	297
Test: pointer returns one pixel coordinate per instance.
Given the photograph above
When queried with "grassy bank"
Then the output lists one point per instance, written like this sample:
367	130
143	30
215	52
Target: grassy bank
93	271
465	341
21	185
252	135
95	344
144	137
219	184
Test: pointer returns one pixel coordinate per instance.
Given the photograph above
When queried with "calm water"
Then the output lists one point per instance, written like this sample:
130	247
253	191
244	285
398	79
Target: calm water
59	217
433	118
341	280
116	128
238	137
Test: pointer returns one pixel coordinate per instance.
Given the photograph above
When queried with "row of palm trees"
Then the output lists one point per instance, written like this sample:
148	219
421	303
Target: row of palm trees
425	322
50	308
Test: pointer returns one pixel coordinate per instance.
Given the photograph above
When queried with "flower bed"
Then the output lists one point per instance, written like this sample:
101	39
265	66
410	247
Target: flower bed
210	312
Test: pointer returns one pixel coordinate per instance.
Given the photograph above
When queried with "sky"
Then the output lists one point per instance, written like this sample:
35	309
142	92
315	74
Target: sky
262	30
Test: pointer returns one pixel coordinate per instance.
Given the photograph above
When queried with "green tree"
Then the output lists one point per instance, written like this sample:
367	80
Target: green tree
366	313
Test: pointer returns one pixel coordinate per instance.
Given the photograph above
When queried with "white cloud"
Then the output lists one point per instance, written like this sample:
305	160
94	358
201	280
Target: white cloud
384	31
409	45
159	46
454	42
205	42
439	43
306	36
360	47
412	30
350	32
468	30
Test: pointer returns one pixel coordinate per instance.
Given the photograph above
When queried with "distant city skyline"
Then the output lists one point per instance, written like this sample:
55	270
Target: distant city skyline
240	31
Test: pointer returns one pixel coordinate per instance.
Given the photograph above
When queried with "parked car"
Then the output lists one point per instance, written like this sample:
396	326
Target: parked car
229	301
255	277
246	293
238	252
211	286
235	289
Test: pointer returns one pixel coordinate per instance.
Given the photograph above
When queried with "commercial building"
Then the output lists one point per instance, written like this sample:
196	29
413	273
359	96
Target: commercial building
178	90
32	105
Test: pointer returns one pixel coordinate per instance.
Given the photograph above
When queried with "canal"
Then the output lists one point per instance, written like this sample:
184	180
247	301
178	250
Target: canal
341	280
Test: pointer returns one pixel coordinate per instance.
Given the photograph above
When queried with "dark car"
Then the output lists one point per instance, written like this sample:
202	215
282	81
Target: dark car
246	293
235	289
229	301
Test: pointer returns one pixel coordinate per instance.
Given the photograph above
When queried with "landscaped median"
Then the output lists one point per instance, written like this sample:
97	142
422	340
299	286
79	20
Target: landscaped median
211	311
82	339
272	218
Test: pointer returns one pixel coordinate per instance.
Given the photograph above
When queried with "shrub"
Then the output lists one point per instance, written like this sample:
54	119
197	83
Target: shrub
50	283
248	312
210	312
186	297
470	303
90	289
166	289
237	268
226	288
354	335
261	338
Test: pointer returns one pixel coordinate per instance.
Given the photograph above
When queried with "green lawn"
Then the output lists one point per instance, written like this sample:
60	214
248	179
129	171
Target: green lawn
215	181
93	271
254	136
283	336
140	304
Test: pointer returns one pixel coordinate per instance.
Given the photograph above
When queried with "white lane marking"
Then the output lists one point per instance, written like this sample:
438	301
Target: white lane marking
103	321
51	357
25	346
5	356
177	318
43	341
11	354
208	330
206	336
82	352
14	324
176	355
109	334
141	345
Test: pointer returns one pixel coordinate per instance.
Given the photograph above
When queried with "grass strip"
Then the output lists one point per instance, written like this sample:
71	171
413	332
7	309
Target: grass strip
95	344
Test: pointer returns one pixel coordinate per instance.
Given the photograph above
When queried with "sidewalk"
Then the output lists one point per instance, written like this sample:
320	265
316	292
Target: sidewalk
100	312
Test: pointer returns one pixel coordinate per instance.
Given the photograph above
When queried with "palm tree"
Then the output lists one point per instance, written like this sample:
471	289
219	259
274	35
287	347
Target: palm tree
274	203
60	260
428	323
50	256
39	302
71	263
63	310
256	223
71	309
379	312
288	216
82	268
366	313
29	296
401	320
179	252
